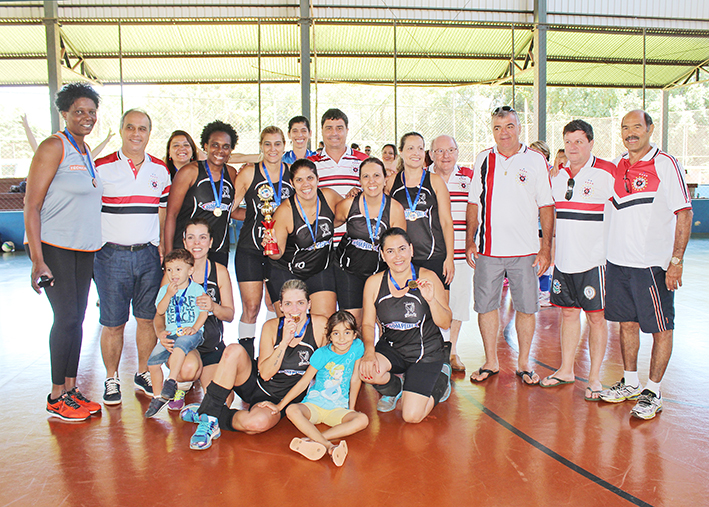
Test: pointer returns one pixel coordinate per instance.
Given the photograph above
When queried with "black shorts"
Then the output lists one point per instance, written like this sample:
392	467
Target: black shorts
251	265
220	257
211	357
579	290
420	377
435	265
639	295
319	282
350	289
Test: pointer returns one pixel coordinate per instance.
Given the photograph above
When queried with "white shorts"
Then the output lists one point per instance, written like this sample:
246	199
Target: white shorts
461	291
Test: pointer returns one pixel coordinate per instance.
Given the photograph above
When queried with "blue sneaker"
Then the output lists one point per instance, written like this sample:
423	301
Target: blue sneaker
388	403
207	430
446	370
189	413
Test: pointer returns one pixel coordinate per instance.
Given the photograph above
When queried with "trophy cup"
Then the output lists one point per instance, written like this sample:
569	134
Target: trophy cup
265	194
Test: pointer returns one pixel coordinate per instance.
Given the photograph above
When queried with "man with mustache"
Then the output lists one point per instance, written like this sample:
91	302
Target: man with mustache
651	219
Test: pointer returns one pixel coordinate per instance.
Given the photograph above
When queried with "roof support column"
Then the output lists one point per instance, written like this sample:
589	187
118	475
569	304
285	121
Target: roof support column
665	120
54	56
396	94
540	68
305	22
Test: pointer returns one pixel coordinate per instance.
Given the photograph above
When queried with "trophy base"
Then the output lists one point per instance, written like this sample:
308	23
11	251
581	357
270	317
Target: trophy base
271	249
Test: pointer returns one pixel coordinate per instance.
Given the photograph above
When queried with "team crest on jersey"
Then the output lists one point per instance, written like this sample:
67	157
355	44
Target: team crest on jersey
556	286
587	188
589	292
285	193
153	180
325	228
522	176
225	192
640	182
299	265
410	310
422	199
304	357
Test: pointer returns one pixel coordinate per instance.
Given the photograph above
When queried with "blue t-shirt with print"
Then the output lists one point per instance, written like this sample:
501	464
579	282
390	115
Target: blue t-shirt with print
188	306
332	382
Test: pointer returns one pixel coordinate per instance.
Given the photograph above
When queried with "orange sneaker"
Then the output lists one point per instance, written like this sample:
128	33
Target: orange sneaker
83	401
67	409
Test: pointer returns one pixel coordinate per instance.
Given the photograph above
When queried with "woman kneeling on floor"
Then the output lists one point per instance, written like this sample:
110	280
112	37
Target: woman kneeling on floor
279	369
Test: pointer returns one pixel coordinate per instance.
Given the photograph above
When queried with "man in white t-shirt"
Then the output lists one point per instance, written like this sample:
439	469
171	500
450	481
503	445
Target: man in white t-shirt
509	191
582	190
651	219
444	152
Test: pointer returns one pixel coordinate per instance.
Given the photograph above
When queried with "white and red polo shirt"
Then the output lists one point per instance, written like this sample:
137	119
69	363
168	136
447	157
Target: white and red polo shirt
642	226
129	212
458	188
340	176
509	192
580	226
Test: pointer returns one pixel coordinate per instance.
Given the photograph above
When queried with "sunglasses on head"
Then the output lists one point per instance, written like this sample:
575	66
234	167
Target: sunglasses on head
503	109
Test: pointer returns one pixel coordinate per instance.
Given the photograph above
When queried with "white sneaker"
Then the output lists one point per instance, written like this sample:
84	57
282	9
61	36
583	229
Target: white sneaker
620	392
648	405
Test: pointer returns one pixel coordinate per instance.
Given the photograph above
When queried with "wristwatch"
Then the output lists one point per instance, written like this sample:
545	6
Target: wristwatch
676	261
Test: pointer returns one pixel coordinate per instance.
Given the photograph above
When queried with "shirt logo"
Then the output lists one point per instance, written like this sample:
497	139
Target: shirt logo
154	180
304	357
77	168
325	228
226	193
589	292
422	199
640	182
410	310
522	176
556	286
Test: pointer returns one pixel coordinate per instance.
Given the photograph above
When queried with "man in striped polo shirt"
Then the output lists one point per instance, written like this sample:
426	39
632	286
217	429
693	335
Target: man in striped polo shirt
444	152
651	219
127	269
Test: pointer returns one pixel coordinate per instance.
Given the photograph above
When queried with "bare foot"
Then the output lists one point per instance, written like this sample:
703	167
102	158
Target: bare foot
311	450
339	453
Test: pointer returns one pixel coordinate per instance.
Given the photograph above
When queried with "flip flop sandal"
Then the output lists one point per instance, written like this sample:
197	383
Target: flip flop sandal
557	381
311	450
480	371
530	374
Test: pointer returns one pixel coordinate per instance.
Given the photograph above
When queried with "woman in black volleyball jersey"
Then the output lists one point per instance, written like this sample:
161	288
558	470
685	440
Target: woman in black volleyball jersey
286	346
251	266
367	216
412	306
204	189
427	208
304	228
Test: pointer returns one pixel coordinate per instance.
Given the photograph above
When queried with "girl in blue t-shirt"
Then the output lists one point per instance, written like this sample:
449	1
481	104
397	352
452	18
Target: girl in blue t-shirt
332	397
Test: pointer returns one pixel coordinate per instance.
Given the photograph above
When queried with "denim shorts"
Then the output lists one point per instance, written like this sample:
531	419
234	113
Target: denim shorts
187	343
123	276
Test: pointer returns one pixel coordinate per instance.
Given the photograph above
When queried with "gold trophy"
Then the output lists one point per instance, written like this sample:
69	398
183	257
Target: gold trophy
265	194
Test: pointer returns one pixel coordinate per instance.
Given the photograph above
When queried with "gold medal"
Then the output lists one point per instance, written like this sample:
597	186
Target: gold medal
413	284
180	331
217	212
296	318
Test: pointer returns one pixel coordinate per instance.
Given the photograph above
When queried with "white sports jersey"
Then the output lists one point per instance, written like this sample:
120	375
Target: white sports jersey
509	193
642	227
580	227
129	215
458	188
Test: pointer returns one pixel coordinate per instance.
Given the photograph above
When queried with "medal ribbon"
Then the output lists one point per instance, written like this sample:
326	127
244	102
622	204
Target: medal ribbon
276	196
305	218
413	205
413	277
373	233
206	274
305	326
217	198
177	300
88	163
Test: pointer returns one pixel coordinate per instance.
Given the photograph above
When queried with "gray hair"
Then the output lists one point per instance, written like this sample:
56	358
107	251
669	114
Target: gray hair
137	110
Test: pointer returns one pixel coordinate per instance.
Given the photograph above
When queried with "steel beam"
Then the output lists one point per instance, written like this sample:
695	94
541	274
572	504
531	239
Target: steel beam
540	68
54	58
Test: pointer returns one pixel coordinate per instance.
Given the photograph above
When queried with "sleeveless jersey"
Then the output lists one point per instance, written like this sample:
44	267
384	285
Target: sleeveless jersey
356	254
213	327
424	227
295	361
408	324
71	211
199	202
252	230
301	257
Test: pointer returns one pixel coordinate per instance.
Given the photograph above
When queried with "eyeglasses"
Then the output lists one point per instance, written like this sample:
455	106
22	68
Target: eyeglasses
569	189
626	182
441	151
503	109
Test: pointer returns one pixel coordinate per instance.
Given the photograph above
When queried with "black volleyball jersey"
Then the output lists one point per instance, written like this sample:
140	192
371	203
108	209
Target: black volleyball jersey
408	324
301	256
356	254
422	224
213	327
295	361
200	203
252	231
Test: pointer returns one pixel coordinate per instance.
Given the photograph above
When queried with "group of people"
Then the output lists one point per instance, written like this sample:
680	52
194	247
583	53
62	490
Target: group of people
382	240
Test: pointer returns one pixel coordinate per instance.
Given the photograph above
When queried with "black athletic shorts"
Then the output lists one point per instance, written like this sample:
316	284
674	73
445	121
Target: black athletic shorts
350	289
579	290
639	295
435	265
419	378
251	265
213	356
219	257
319	282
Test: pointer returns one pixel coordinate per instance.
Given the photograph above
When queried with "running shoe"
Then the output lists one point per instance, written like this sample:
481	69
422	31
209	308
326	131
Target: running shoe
207	430
67	409
620	392
446	370
648	405
156	405
388	403
169	388
189	413
179	402
142	381
83	401
112	391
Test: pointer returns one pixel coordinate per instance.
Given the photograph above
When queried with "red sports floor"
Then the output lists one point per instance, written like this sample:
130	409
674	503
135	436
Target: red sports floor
499	443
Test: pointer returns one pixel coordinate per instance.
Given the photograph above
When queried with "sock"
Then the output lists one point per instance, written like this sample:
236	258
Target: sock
270	315
214	399
654	387
631	378
247	330
446	334
225	416
439	388
392	388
